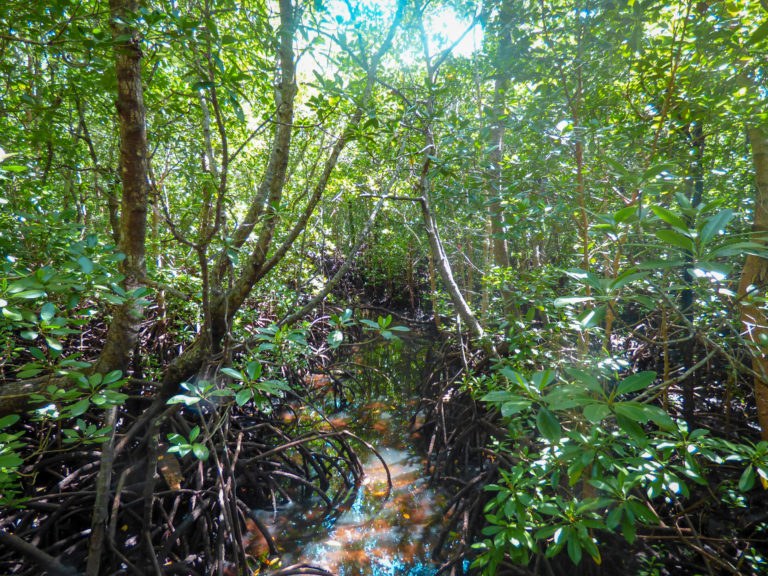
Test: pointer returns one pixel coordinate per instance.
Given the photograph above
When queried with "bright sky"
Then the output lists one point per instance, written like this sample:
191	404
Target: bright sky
446	23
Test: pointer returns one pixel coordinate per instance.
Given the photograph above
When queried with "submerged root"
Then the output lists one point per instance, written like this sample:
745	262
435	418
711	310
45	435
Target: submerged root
182	496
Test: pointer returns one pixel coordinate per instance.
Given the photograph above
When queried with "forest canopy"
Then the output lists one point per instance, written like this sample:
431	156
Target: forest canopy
207	205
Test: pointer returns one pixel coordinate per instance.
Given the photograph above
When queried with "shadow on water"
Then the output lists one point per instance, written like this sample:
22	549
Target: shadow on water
375	532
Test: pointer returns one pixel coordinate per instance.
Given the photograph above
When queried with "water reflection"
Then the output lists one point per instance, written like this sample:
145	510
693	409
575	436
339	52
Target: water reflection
377	535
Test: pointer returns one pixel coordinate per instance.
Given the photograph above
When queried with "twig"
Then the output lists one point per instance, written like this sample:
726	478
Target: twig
46	562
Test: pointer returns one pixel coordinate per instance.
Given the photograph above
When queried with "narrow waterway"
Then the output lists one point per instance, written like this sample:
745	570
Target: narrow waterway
377	532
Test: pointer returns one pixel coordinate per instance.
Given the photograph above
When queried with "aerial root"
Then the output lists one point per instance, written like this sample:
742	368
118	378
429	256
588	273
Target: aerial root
197	517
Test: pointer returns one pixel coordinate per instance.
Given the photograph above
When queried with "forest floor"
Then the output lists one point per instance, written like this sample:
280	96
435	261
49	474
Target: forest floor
177	512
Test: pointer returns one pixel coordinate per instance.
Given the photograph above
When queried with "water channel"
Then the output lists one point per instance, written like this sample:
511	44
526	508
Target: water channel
378	532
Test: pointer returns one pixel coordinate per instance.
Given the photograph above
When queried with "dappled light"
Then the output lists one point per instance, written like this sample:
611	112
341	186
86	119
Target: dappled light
384	288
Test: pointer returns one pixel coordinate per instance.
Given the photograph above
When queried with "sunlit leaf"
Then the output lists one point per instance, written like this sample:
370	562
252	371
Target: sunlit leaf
759	34
635	382
200	451
714	224
232	373
47	312
676	239
670	217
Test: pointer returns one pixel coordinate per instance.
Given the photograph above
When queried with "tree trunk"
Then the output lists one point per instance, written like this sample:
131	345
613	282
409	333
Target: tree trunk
257	264
503	73
124	329
270	191
436	245
754	278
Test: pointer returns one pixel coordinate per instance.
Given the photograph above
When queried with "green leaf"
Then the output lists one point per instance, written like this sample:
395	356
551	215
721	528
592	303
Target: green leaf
714	224
47	312
176	438
200	451
628	529
625	214
9	420
614	517
13	314
113	376
253	369
10	460
273	386
670	217
542	378
655	170
31	294
513	407
232	373
566	397
642	512
596	412
561	302
585	378
29	372
114	397
499	396
183	399
633	429
53	344
28	334
747	479
113	299
592	317
86	265
660	264
548	425
194	433
636	382
617	167
79	407
659	417
732	249
335	339
574	548
626	278
243	396
37	353
632	410
676	239
759	34
180	449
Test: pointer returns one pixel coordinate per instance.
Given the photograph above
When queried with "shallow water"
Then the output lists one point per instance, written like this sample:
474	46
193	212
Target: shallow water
377	533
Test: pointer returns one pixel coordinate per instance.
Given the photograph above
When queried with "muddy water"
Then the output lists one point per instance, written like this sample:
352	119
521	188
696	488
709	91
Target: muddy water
376	532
